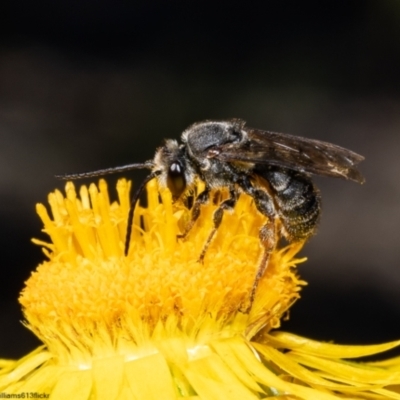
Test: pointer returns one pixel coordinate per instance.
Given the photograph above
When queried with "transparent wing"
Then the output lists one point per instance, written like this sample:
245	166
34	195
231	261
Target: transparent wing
294	152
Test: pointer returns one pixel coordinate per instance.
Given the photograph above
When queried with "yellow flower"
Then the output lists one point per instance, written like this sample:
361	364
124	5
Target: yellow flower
159	324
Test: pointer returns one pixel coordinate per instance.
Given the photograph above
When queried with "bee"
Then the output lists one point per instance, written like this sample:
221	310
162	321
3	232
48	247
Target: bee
273	168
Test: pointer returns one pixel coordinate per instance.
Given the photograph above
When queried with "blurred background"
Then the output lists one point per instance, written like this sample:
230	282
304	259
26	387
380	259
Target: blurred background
87	85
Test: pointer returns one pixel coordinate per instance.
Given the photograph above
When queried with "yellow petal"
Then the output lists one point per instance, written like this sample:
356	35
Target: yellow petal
223	349
212	380
284	340
42	380
25	366
108	375
361	373
75	385
295	370
268	378
150	378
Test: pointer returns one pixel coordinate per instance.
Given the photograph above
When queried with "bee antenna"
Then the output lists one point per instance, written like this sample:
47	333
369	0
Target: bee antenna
107	171
134	200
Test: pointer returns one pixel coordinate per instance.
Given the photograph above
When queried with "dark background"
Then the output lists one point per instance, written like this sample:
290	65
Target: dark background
92	84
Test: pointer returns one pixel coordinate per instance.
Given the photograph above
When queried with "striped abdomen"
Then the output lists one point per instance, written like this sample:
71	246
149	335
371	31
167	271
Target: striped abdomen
296	199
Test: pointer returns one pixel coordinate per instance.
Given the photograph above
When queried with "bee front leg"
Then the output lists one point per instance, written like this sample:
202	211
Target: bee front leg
227	204
201	199
267	234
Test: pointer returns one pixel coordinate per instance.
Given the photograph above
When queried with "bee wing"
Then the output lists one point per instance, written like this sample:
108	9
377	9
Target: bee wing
294	152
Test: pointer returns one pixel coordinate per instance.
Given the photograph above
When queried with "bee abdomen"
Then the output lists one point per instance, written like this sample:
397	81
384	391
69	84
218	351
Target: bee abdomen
297	201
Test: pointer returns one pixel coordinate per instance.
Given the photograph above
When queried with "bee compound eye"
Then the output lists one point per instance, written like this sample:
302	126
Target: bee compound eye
176	181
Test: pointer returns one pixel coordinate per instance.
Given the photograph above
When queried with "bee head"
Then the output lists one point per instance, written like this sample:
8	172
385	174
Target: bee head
174	171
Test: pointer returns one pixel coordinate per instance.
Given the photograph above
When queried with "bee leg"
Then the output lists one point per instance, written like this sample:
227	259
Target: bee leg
267	234
201	199
227	204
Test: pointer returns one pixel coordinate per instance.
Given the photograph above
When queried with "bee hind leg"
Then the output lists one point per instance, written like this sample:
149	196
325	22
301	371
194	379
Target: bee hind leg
267	235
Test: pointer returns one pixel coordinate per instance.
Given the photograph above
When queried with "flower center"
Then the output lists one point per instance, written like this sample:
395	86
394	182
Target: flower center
87	288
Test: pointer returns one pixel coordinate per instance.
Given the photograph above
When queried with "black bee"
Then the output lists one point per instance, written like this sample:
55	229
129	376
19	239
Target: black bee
273	168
